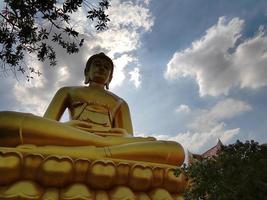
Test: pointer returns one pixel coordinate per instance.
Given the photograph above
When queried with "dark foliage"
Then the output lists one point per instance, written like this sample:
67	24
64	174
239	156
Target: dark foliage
21	32
239	171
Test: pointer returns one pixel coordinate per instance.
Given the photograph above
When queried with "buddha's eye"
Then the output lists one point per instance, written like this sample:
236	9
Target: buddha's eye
106	66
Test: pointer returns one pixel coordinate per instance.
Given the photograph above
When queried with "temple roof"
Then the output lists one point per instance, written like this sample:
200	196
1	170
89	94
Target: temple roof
207	154
214	150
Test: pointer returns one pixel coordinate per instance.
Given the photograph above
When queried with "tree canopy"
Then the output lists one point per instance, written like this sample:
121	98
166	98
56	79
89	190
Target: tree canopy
22	30
239	171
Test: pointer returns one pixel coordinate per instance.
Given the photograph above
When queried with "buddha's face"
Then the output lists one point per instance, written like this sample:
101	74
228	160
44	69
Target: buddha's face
100	71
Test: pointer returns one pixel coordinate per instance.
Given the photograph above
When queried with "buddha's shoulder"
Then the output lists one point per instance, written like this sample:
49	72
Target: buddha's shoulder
116	98
72	90
69	89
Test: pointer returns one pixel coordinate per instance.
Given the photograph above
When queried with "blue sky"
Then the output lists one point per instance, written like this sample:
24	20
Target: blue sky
191	70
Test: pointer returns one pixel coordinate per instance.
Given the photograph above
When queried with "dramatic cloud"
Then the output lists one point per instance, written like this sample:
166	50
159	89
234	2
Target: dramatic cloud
198	141
119	70
146	2
34	96
135	77
220	60
183	109
207	125
130	14
128	20
206	119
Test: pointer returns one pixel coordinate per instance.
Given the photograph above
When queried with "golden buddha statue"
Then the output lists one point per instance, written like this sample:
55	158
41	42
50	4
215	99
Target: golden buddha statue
100	124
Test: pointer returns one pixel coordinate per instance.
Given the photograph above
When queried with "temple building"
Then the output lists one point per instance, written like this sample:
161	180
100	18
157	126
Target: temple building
207	154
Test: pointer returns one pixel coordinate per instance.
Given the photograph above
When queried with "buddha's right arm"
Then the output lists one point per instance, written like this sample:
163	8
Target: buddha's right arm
122	118
58	104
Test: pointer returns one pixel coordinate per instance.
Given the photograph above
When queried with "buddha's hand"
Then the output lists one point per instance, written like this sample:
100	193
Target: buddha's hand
79	124
119	131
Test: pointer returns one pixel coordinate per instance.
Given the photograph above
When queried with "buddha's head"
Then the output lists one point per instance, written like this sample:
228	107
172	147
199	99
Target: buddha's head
99	69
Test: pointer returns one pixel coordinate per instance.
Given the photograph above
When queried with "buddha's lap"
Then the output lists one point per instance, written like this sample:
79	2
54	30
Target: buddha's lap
35	124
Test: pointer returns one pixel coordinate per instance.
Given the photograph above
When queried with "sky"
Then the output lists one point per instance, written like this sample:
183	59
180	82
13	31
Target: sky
192	71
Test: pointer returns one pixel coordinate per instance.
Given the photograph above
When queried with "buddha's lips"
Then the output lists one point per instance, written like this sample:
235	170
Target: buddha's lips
100	73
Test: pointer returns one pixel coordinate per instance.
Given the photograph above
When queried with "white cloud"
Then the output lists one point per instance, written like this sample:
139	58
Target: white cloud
198	142
63	75
215	63
29	102
207	125
35	96
130	15
229	108
119	70
194	141
117	40
146	2
183	109
135	77
206	119
120	41
127	22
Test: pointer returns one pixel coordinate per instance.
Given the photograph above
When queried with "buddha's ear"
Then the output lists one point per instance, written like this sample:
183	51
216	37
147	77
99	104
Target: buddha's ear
87	79
107	86
109	80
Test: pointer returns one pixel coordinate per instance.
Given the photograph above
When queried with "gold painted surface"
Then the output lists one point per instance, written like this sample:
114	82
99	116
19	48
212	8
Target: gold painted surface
81	167
77	191
99	120
141	177
177	197
123	170
158	174
50	194
160	194
101	195
142	196
56	171
22	190
102	174
28	190
31	163
173	183
94	151
122	193
10	167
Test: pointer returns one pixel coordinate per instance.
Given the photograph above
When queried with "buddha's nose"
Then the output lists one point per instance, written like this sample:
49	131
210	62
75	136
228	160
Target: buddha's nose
101	69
